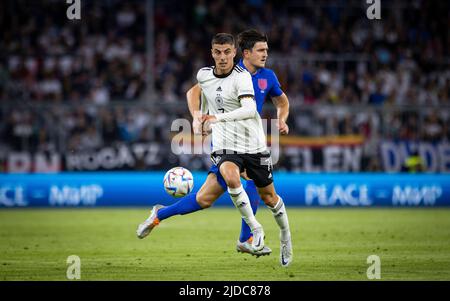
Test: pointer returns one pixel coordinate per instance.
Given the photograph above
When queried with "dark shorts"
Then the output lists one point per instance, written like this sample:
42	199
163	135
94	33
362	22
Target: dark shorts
258	166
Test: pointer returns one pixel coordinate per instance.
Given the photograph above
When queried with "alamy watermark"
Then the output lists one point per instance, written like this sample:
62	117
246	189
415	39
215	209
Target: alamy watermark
374	10
74	269
74	10
183	142
374	270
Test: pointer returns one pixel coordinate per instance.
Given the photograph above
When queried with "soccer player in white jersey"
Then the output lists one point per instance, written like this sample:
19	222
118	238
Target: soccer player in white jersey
238	144
254	48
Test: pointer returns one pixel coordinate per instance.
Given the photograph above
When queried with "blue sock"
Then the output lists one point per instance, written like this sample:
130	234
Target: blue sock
185	205
254	198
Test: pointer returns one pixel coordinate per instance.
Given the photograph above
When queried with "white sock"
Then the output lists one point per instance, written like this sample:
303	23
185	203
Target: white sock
242	203
280	215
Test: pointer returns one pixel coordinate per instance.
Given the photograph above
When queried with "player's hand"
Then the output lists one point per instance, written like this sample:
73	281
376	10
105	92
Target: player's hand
209	118
206	128
197	127
283	127
197	123
207	121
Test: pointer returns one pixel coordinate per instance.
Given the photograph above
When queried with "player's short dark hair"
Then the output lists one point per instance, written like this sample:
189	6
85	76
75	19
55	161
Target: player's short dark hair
247	39
223	38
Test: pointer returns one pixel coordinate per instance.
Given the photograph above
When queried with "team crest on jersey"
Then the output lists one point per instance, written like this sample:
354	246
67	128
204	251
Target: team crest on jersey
262	83
219	100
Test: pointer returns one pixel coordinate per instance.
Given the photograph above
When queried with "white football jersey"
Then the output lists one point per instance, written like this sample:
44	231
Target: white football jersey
222	94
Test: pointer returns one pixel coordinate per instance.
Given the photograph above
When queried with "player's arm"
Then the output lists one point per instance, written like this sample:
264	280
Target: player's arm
193	97
282	104
246	111
246	96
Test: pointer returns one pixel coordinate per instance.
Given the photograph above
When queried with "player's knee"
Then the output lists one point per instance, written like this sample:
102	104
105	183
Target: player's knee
232	181
231	177
269	198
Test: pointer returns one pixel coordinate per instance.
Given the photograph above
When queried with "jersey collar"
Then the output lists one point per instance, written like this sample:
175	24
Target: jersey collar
222	75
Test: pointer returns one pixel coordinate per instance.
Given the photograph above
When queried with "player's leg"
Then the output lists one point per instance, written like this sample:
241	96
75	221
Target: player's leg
276	205
230	171
244	243
254	198
210	191
259	168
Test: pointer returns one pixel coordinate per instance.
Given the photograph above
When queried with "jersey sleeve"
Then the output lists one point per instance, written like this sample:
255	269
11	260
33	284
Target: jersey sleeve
202	73
275	90
199	76
244	85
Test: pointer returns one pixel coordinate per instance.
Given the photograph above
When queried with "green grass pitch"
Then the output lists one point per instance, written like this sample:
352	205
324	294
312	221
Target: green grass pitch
329	244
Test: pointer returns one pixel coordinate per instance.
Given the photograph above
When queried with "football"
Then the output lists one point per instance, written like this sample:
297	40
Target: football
178	182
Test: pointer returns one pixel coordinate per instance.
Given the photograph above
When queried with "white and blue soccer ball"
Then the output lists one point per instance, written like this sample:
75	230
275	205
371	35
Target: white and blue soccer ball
178	182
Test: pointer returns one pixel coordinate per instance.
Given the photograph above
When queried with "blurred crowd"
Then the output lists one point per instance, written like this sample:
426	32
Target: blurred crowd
401	59
325	53
81	128
52	59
